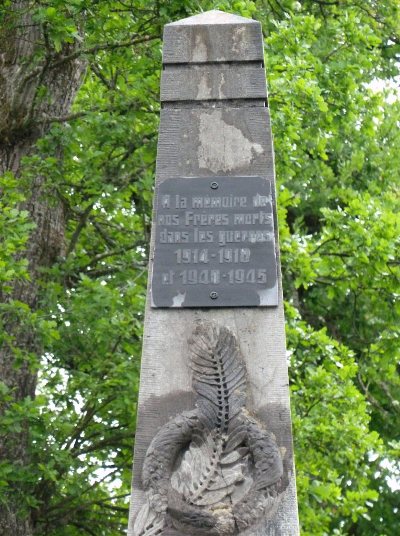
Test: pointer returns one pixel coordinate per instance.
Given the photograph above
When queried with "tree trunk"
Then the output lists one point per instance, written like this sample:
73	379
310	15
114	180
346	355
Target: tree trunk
29	69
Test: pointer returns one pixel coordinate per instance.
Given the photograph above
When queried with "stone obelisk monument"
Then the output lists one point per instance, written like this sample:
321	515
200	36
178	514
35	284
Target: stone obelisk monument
213	448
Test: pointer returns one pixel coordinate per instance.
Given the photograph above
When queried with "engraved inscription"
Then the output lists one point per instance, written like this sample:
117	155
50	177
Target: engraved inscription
213	471
214	235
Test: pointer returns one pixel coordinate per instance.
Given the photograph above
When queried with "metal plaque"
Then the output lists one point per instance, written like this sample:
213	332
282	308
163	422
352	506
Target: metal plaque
214	243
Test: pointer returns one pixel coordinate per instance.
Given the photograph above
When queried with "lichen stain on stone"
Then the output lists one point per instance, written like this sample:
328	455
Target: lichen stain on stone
203	90
238	36
223	147
221	94
199	50
178	300
268	296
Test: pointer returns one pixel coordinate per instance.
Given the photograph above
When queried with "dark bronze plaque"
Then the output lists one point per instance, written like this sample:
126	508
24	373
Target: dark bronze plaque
214	243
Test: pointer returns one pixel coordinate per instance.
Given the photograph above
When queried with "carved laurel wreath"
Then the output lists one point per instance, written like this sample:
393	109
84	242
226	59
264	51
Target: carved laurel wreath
213	470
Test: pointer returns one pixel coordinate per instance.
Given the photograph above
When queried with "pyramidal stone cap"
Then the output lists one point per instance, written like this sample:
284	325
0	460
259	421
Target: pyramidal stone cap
212	37
215	16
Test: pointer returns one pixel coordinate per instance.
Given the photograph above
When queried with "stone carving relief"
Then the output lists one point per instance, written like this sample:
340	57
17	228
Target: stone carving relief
214	470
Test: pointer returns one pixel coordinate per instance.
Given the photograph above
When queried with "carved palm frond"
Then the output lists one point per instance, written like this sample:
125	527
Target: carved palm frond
209	472
215	470
219	376
149	522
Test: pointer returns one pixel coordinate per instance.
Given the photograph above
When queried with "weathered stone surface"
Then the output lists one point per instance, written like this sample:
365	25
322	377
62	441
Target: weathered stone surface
212	37
205	138
213	82
195	142
230	473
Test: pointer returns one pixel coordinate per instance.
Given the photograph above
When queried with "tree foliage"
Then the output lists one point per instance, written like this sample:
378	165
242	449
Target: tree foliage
336	142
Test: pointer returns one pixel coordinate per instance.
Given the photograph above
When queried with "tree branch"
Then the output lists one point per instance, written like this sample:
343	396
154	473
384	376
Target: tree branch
86	51
82	222
105	46
112	253
84	113
113	441
83	527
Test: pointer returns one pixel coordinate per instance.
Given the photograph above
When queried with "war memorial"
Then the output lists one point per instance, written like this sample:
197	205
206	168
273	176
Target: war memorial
213	448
